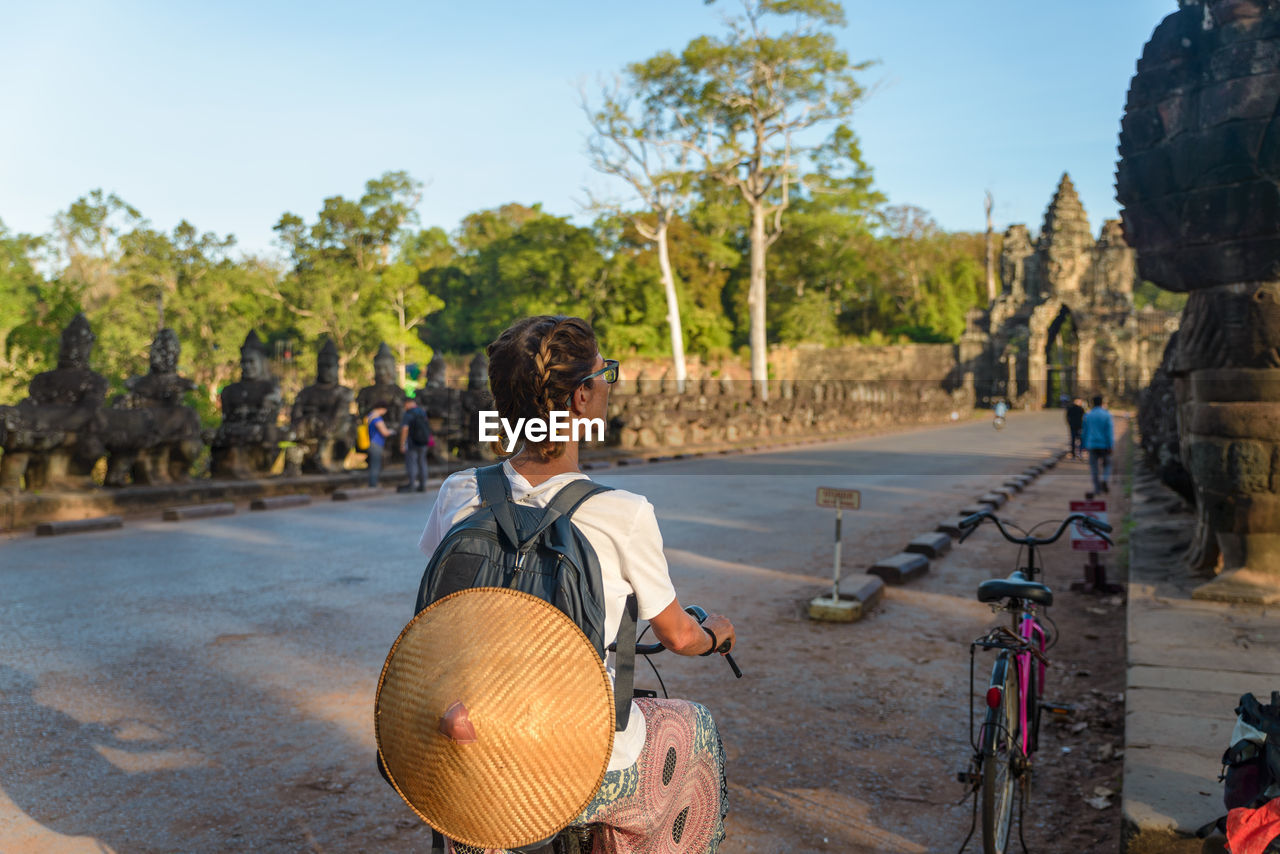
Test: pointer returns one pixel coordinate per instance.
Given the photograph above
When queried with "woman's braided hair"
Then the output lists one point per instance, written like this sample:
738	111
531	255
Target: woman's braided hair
535	365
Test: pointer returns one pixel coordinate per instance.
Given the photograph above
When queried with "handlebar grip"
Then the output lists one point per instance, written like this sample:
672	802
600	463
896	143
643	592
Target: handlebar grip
970	521
1096	524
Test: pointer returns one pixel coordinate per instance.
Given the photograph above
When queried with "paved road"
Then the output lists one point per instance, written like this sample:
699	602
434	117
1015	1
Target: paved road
208	685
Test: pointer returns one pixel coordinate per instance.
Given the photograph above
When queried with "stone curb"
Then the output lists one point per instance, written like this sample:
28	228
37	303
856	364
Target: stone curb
931	545
356	493
852	606
279	502
199	511
76	526
901	568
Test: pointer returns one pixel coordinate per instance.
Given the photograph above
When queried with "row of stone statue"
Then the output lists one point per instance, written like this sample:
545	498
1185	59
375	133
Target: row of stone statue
148	435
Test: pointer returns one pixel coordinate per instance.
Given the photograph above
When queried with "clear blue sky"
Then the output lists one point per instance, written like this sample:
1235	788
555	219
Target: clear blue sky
230	113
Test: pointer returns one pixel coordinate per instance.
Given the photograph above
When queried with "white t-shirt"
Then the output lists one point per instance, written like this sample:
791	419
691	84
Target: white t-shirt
622	528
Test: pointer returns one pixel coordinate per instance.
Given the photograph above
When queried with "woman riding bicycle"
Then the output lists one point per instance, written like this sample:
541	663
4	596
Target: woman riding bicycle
546	364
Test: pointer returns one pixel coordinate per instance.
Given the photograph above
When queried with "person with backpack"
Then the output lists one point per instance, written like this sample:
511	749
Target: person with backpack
542	365
415	440
1075	425
378	433
1098	439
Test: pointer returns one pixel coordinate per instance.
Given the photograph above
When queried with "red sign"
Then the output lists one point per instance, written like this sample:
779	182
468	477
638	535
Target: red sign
1082	539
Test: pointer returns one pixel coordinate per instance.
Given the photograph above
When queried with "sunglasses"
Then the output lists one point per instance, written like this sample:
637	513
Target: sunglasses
609	373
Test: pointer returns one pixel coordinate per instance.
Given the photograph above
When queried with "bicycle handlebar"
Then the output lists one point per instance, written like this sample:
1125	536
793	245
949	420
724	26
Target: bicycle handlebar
970	523
654	648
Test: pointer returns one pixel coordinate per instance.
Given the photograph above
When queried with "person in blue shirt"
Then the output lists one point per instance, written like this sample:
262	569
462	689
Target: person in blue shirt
1098	440
1002	409
378	433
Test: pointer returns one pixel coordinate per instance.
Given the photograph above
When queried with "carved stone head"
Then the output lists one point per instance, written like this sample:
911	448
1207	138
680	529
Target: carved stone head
165	350
384	366
436	372
253	358
77	344
478	373
327	364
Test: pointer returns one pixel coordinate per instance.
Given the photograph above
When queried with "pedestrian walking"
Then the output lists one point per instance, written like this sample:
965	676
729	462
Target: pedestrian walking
378	433
1075	425
1099	440
415	440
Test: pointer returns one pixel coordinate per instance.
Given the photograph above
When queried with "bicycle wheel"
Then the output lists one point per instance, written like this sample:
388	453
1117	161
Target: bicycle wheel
998	423
999	751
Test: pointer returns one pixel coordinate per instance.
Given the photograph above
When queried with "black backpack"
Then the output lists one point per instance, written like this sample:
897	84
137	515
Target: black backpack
419	429
1250	766
538	551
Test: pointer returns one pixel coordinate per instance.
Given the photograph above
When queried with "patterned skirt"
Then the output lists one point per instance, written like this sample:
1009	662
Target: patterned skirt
673	800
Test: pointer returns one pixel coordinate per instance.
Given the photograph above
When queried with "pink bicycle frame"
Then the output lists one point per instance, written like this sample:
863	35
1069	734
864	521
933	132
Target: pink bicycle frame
1032	632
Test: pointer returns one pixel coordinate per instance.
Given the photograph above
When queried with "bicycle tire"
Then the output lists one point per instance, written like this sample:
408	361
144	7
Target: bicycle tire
998	422
999	749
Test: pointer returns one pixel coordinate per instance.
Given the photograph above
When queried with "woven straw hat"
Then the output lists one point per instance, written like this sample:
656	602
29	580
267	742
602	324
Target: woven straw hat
494	718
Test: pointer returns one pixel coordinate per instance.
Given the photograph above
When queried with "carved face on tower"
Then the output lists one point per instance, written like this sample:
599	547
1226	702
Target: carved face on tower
165	350
384	366
77	344
327	364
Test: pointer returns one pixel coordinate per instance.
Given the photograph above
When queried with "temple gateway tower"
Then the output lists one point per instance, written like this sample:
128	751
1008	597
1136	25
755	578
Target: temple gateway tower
1064	322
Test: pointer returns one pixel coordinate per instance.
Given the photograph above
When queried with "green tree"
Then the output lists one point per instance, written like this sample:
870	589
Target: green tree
338	287
185	280
515	261
28	334
639	139
762	98
87	244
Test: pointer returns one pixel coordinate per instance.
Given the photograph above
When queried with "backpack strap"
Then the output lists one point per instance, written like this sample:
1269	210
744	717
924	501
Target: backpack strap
495	493
565	502
624	664
572	494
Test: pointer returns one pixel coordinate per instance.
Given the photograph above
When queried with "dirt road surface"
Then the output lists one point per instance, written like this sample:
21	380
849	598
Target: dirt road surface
207	686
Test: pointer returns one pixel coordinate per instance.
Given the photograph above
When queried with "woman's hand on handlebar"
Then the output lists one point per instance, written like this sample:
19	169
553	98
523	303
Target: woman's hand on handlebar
681	633
725	636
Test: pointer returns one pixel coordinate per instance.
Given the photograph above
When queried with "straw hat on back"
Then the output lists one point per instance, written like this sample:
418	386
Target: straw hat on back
494	718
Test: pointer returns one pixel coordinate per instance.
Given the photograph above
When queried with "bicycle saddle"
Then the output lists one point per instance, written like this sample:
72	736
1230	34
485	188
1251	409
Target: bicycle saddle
1016	586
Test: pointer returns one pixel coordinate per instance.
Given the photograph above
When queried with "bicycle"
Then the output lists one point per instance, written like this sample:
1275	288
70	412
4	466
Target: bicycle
1009	737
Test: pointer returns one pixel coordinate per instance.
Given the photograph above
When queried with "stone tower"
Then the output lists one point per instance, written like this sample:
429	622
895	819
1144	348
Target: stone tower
1065	243
1064	321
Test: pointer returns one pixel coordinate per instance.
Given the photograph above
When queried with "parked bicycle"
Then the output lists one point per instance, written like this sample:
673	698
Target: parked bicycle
1005	745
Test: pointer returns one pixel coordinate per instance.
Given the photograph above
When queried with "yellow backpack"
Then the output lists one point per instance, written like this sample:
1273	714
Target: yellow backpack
362	436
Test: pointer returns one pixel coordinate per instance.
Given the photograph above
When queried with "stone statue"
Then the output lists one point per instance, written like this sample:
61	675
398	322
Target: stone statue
1200	187
152	436
321	417
52	438
248	440
436	372
384	390
478	373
